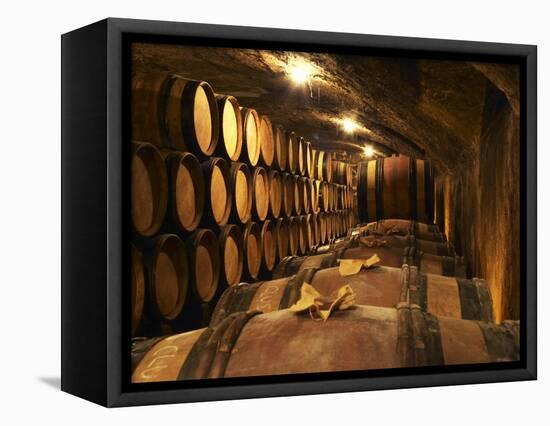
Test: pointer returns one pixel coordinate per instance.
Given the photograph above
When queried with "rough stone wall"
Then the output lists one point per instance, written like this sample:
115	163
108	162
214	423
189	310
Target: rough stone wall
482	205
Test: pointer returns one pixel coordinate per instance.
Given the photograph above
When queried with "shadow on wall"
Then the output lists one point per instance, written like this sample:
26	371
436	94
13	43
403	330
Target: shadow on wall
479	209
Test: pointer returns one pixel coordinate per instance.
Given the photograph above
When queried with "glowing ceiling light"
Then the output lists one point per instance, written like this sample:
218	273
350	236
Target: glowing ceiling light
368	151
349	125
300	71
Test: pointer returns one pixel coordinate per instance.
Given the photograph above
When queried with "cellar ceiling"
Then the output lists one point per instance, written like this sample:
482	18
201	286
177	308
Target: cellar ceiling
425	108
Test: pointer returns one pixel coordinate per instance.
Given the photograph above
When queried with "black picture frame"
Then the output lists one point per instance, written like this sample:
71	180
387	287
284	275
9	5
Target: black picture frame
94	207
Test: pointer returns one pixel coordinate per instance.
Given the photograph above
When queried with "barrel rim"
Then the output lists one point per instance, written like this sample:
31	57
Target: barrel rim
191	161
225	171
247	113
137	309
255	211
222	100
252	228
264	119
269	224
197	238
234	169
234	231
162	203
161	242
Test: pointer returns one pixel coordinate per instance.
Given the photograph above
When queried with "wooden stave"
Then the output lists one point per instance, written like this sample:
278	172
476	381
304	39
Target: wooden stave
235	217
269	247
267	143
260	211
221	148
250	153
275	194
294	235
288	194
252	269
206	240
233	231
174	160
137	292
292	152
280	158
209	219
161	190
282	233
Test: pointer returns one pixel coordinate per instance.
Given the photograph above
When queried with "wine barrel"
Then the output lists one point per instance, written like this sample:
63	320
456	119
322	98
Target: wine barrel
241	187
301	156
342	171
275	193
324	196
298	195
252	244
186	190
314	201
250	153
230	141
260	194
176	113
328	219
396	187
308	159
269	246
389	256
219	198
230	242
167	276
323	164
292	152
380	286
282	234
306	199
302	236
138	288
287	183
322	223
149	189
280	158
363	338
334	197
294	235
426	246
405	227
267	144
204	264
312	218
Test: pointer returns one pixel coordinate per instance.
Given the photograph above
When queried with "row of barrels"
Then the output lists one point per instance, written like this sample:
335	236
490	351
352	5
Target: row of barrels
403	317
216	192
165	268
396	187
176	113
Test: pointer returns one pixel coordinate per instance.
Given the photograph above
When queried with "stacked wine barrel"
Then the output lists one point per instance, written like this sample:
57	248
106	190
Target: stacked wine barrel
404	316
233	214
220	194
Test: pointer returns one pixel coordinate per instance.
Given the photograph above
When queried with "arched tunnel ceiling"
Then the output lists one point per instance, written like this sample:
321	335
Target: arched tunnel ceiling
425	108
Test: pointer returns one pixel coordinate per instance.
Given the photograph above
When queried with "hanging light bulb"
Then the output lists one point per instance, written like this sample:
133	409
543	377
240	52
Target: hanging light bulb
349	125
368	151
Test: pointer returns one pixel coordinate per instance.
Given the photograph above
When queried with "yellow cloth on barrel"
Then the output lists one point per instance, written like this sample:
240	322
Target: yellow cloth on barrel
320	307
353	266
373	242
